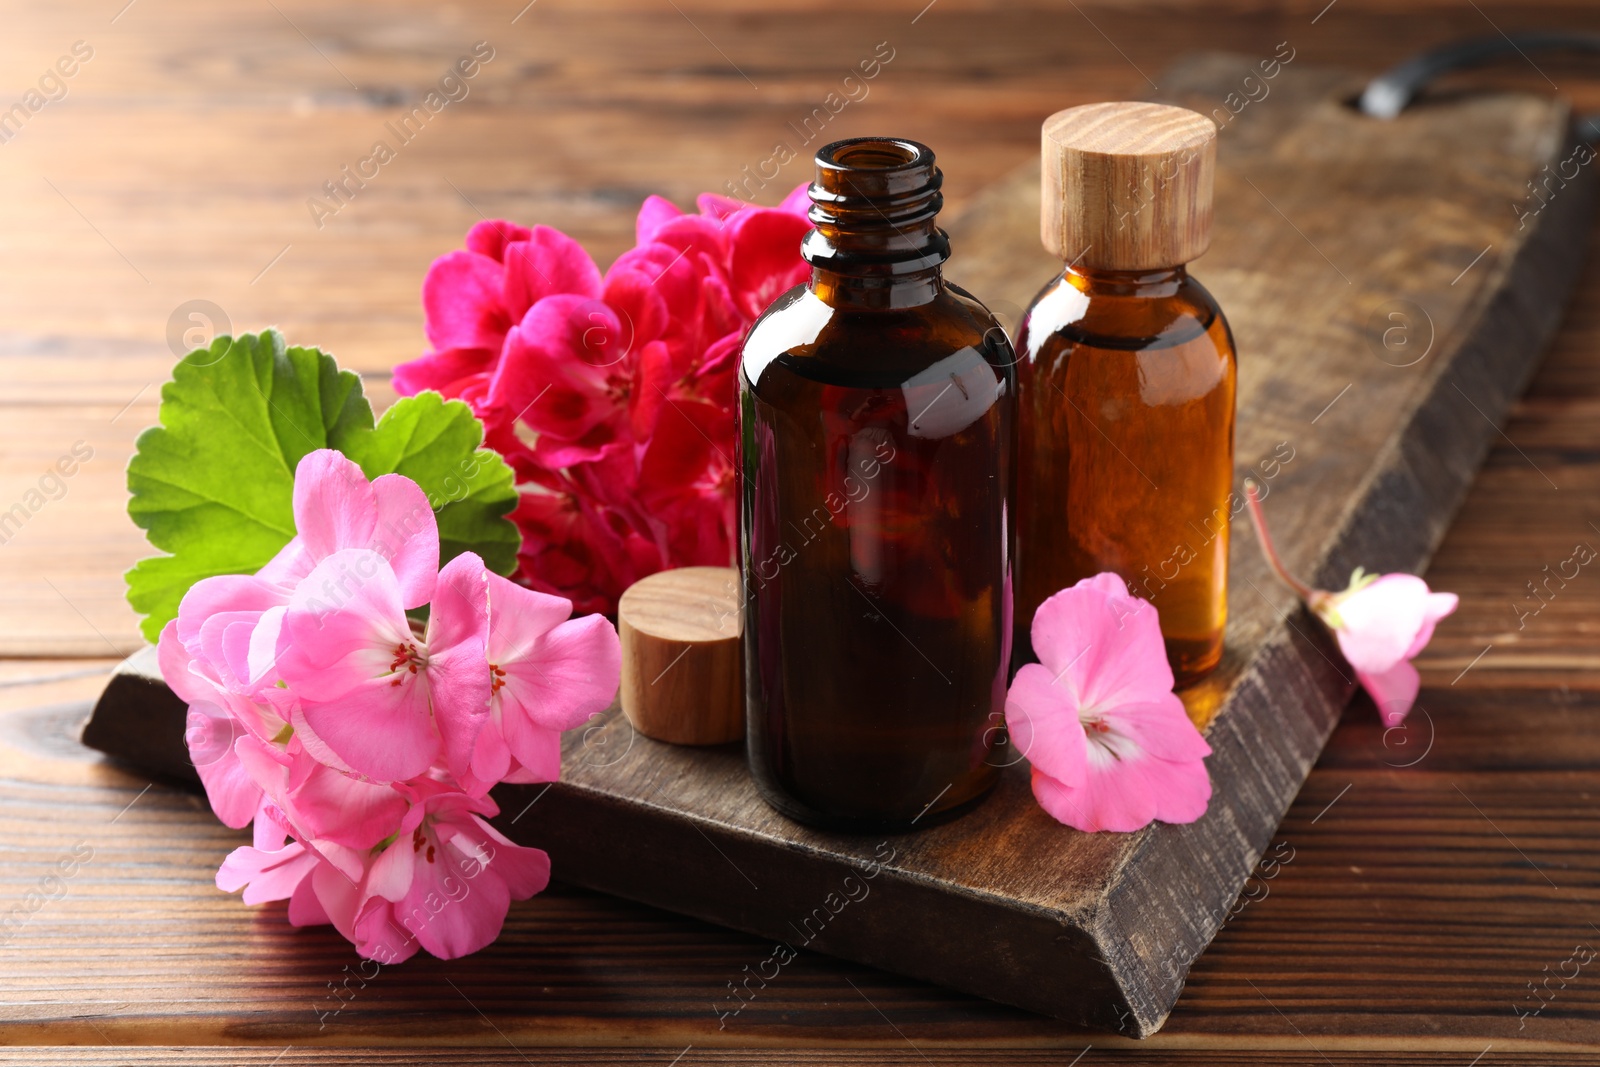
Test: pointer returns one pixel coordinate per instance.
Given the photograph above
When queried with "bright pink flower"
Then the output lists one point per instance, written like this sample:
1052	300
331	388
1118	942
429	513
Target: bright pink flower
611	397
550	673
1110	745
380	698
1381	622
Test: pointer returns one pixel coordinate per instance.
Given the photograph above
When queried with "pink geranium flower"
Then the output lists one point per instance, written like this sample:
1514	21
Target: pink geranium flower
1381	623
383	699
550	673
611	396
1110	745
361	746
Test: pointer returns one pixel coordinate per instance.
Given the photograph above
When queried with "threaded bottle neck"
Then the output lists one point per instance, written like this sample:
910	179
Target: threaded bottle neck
874	203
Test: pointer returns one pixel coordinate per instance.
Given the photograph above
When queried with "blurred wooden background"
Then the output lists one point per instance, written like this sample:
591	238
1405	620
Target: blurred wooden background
1438	875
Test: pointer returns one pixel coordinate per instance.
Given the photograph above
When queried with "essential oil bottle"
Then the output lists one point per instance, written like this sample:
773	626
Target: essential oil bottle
876	427
1126	379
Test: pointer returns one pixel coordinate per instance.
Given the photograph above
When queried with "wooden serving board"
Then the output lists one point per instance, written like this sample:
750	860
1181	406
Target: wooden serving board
1391	286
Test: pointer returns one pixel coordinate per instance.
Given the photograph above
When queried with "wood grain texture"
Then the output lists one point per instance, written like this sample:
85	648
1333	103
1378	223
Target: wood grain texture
192	141
1102	929
682	675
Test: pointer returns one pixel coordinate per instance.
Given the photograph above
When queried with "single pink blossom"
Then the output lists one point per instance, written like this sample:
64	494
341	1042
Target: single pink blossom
445	883
370	694
1110	744
1382	622
550	673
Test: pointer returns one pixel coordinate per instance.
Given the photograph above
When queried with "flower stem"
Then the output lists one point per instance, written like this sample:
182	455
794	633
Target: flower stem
1269	550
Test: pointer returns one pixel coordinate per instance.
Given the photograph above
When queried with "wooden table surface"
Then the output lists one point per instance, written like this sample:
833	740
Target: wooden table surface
1437	875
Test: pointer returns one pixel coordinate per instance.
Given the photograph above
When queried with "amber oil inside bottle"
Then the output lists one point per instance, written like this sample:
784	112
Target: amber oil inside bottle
876	420
1127	382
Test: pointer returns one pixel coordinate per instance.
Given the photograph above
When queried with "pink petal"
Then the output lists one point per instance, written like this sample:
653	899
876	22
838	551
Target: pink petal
1394	691
334	504
406	534
265	876
654	213
379	935
491	757
338	655
337	808
537	748
1437	607
1106	649
461	300
548	263
1185	792
1160	727
305	907
491	236
526	871
764	257
449	371
224	592
382	731
458	667
450	916
232	793
717	206
342	626
1042	721
1381	621
391	873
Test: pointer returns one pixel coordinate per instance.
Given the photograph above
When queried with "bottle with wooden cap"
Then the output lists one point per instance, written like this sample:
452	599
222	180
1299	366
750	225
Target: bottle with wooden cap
1126	379
876	428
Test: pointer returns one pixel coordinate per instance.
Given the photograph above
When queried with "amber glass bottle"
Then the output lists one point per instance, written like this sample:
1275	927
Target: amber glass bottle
876	425
1127	378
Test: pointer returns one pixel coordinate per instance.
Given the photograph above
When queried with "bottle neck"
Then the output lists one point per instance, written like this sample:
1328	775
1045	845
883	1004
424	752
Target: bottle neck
1134	283
876	244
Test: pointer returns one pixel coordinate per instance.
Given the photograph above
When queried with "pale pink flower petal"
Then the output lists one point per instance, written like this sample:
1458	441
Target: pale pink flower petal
1042	721
265	876
1104	645
232	793
1394	691
406	534
458	671
334	505
1438	606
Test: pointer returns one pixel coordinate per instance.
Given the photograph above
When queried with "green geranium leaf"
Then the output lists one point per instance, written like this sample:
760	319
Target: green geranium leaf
213	485
434	442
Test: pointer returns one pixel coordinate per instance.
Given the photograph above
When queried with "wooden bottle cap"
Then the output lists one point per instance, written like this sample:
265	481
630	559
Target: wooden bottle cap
1127	186
682	675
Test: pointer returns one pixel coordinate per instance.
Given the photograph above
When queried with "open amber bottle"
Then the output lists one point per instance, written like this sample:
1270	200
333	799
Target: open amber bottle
1127	378
876	426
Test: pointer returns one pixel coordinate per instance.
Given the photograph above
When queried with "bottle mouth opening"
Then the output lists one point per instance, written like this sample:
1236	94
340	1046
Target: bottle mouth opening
874	154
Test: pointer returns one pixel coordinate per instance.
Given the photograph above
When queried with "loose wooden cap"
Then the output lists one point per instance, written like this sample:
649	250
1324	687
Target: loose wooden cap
1127	186
682	676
